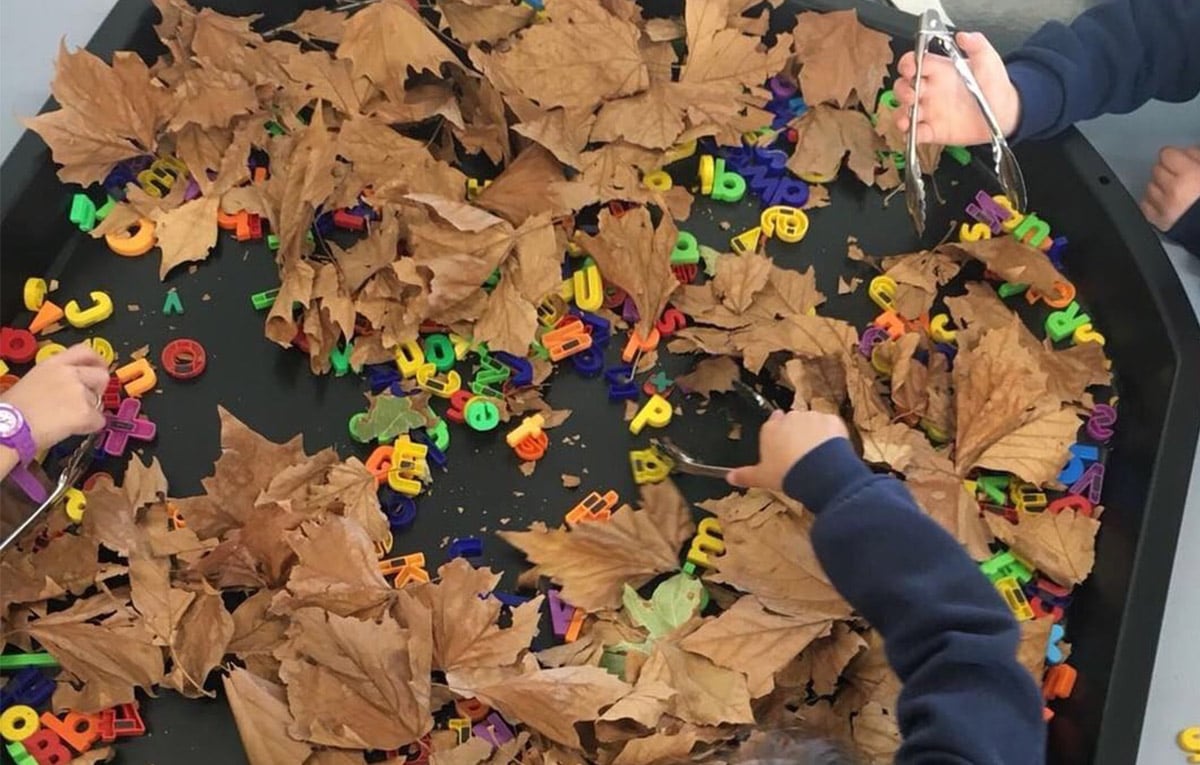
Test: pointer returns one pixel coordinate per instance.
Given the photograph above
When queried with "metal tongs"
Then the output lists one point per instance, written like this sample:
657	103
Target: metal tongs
933	29
686	463
74	468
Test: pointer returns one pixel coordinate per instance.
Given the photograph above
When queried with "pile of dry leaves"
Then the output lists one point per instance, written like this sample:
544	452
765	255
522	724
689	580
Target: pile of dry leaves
322	659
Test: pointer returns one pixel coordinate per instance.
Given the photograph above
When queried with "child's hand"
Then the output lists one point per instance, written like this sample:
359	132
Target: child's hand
782	442
948	113
1174	186
60	397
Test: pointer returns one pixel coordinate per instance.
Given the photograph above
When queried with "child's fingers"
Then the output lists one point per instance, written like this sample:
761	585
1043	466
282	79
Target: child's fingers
1172	161
908	65
904	92
973	43
926	133
740	477
93	378
82	355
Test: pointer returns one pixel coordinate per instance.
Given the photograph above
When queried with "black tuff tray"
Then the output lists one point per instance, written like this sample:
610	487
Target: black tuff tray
1124	281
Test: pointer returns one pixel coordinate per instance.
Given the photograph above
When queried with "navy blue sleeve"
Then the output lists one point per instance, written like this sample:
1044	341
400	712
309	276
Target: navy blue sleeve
1112	59
948	635
1186	231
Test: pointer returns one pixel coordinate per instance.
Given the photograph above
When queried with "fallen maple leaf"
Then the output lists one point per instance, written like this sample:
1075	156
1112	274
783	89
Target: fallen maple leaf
842	61
706	694
525	188
552	701
198	643
876	732
1013	260
247	464
635	256
385	39
337	570
318	24
261	713
186	234
823	661
803	335
557	63
353	683
657	749
714	375
1037	451
594	561
473	21
999	388
750	639
824	135
773	558
1060	545
112	659
739	278
465	632
509	322
107	114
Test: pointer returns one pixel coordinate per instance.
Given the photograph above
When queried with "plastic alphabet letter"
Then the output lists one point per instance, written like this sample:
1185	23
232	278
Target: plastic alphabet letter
687	250
481	414
1090	483
1099	425
126	424
17	345
708	541
18	722
656	413
409	358
101	309
589	289
138	240
1080	453
47	748
1062	324
595	507
77	730
138	377
1015	598
649	466
882	291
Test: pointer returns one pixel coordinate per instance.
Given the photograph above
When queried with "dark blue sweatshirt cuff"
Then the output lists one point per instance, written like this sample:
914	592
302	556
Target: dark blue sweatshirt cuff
826	473
1042	100
1186	231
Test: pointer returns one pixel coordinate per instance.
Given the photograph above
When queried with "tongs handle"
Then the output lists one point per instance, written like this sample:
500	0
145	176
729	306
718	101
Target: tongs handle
686	463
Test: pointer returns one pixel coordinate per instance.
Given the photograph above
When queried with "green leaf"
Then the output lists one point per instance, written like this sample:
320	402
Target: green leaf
674	602
389	416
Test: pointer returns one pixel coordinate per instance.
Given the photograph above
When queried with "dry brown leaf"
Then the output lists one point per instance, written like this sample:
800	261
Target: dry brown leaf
524	189
739	278
635	256
999	388
1031	651
657	749
551	701
107	114
473	21
462	216
473	752
247	464
386	38
562	132
317	75
801	334
261	713
337	570
112	658
842	61
823	661
570	481
714	375
509	322
1060	545
198	644
1013	260
750	639
594	561
706	694
824	135
319	24
465	632
1037	451
819	383
774	559
187	233
558	64
847	287
876	733
356	684
636	714
211	98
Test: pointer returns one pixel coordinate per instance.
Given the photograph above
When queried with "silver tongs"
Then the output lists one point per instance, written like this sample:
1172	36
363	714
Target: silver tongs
73	470
686	463
933	29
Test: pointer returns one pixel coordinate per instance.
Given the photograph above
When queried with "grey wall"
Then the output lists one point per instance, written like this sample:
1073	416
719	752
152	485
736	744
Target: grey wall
29	34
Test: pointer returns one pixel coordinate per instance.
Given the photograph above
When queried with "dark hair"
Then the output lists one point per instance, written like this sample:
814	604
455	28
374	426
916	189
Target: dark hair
784	746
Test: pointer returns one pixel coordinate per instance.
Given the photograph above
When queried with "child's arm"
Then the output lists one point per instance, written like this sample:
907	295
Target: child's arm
1112	59
948	635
